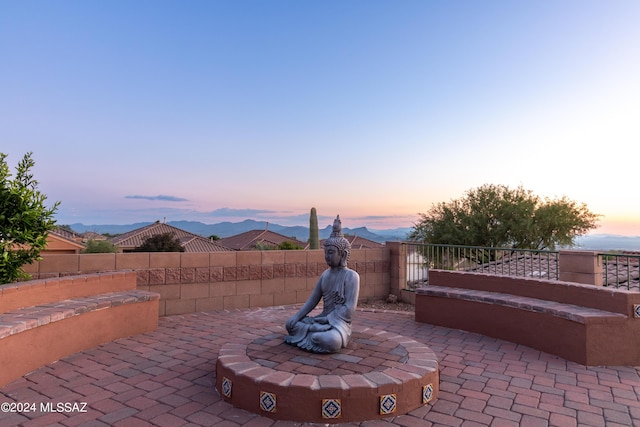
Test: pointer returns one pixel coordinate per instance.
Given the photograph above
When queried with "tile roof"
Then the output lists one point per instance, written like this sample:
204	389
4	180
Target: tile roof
358	242
67	234
622	272
190	242
249	239
78	237
201	244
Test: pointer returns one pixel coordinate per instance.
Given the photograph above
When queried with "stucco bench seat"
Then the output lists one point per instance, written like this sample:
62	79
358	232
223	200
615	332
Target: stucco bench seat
570	312
24	319
31	337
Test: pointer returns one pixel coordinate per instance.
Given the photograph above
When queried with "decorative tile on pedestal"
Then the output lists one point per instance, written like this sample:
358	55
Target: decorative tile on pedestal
636	311
267	401
226	387
331	408
387	404
427	393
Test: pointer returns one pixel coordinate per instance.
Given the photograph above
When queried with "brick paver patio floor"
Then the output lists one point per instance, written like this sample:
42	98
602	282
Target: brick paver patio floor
166	378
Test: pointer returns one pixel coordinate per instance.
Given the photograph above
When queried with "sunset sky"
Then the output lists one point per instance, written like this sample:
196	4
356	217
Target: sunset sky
218	111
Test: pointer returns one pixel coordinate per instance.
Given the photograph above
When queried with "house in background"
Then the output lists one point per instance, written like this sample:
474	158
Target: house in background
61	241
129	241
64	241
260	239
359	242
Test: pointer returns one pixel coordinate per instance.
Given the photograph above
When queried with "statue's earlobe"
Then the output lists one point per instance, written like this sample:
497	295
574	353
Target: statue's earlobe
344	258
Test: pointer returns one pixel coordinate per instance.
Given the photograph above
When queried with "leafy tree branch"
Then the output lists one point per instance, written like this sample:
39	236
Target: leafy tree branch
25	221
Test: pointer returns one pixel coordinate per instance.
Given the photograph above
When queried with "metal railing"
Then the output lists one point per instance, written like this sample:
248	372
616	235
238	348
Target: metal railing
620	270
499	261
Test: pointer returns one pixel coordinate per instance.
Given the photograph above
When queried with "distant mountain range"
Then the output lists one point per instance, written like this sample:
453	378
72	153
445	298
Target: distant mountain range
607	242
227	229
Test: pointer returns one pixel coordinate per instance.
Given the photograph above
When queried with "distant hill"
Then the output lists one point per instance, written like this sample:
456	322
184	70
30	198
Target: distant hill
393	234
607	242
227	229
109	229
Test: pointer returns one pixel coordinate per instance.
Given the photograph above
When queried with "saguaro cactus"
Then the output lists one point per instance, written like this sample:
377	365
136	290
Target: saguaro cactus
314	242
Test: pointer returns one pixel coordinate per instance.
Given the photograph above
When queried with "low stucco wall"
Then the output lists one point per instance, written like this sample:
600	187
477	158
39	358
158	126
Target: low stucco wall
193	282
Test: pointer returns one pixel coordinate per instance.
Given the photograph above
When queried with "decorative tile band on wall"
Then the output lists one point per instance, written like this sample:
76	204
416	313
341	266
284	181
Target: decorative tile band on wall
331	408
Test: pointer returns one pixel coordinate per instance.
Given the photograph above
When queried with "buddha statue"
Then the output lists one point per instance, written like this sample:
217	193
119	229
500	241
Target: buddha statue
338	288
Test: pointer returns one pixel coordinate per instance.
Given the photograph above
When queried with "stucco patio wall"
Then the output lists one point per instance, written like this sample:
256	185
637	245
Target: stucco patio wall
194	282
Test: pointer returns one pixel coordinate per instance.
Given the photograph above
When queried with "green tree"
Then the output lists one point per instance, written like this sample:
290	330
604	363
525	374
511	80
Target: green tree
163	242
25	221
314	242
498	216
288	246
261	246
100	247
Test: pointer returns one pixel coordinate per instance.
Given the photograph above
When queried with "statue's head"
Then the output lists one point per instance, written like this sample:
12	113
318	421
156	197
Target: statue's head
338	241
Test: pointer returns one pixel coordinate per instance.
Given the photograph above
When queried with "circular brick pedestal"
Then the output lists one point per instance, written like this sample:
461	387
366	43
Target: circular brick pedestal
379	374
